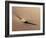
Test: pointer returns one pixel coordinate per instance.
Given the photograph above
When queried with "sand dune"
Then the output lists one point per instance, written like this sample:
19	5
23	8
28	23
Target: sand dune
31	14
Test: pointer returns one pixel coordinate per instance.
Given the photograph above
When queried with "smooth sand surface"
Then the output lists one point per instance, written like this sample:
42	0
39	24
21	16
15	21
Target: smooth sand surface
31	14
